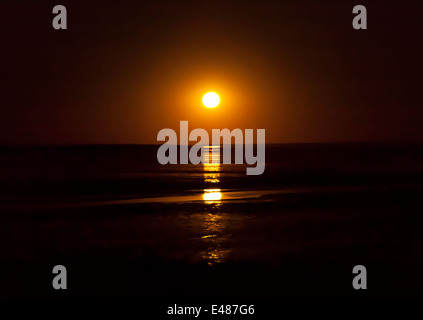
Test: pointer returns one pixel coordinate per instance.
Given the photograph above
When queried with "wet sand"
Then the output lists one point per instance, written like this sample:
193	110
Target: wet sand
272	247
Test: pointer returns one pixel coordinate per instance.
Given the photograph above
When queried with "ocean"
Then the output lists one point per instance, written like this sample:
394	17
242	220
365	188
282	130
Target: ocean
125	226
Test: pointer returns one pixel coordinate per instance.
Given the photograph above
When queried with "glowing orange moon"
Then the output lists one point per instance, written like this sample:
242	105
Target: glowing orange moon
211	100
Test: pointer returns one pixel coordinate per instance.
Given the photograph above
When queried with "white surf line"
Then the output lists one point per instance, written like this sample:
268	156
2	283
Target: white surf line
226	195
198	197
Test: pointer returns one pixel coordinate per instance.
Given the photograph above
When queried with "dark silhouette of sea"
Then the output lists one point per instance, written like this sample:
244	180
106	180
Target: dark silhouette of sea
125	226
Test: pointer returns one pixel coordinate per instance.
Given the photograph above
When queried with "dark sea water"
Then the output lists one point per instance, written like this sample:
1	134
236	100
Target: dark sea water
127	227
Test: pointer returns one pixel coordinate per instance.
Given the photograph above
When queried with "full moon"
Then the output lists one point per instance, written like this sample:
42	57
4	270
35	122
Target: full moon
211	100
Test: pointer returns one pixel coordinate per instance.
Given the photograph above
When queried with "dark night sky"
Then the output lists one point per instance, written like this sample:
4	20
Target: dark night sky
126	69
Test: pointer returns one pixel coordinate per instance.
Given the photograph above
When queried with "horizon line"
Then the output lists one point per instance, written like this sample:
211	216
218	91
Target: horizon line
232	144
